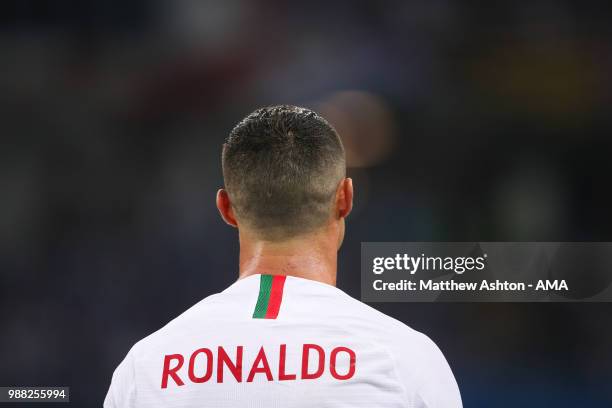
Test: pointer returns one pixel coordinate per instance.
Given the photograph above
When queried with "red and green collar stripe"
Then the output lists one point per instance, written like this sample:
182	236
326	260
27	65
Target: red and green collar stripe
270	296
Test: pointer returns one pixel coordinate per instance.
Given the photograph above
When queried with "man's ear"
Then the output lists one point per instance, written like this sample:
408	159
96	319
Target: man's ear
344	198
225	208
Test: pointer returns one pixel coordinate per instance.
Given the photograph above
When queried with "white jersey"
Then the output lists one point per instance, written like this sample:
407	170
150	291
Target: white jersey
270	341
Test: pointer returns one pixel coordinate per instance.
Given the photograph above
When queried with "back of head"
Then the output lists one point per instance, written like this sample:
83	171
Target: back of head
281	167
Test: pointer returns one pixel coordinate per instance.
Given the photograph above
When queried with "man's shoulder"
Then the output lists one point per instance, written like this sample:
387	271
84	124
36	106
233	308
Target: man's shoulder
183	324
382	327
205	318
417	359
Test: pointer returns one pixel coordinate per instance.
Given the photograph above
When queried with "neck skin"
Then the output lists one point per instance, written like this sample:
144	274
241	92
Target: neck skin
313	256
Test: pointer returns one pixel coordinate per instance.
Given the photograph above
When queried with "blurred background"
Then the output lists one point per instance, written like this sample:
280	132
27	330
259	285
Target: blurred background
463	121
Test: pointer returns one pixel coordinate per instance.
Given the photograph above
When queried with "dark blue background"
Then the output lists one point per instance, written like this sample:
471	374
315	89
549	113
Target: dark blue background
464	122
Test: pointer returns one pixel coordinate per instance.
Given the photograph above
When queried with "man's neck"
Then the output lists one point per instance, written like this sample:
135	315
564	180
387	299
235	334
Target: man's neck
312	257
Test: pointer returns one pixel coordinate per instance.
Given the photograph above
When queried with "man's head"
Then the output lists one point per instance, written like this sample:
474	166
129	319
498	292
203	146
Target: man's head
284	170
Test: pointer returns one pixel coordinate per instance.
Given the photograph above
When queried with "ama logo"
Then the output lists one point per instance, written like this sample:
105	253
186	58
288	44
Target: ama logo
551	285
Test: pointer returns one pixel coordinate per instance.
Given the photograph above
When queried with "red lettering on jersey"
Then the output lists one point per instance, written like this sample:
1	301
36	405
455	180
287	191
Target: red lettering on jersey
172	371
305	359
282	376
313	364
261	358
235	368
209	366
332	363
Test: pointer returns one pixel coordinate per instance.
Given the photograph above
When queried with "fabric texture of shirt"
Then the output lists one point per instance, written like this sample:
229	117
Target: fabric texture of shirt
270	341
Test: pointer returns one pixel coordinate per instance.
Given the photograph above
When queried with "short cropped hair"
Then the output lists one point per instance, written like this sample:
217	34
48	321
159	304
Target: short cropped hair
281	168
